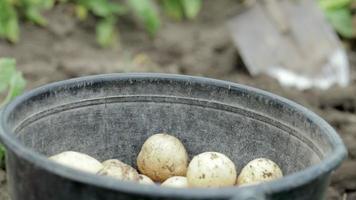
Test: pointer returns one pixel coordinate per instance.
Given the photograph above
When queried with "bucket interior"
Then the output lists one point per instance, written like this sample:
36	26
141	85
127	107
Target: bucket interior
112	117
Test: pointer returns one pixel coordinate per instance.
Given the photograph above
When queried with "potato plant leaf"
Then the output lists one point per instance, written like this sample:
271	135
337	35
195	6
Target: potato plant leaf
34	15
334	4
173	8
10	79
341	19
102	8
8	21
191	8
147	14
32	9
6	70
2	157
81	12
106	34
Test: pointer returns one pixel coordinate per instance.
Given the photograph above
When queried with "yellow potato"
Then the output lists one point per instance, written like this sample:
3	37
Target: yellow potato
259	170
145	180
119	170
161	157
78	161
176	182
211	169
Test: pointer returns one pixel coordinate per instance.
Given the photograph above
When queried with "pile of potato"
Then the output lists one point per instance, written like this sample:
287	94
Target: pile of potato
164	159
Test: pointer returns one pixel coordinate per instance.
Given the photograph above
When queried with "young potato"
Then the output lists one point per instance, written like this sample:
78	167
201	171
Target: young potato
145	180
259	170
78	161
211	169
119	170
162	156
176	182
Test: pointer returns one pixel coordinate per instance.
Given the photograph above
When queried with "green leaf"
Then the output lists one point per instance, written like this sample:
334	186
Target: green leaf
7	68
341	19
191	8
81	12
8	21
334	4
147	13
173	8
118	9
103	8
34	15
100	8
47	4
17	85
14	79
12	30
33	8
2	156
106	34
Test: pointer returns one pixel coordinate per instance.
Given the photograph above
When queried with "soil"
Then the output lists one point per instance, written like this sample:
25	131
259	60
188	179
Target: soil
66	48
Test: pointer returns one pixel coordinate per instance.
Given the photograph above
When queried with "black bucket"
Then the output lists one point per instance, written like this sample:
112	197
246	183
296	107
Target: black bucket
110	116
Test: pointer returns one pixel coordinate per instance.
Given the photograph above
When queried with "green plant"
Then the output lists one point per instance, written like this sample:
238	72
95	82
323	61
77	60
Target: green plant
145	10
12	82
191	8
147	13
30	9
177	9
106	11
9	27
2	157
338	12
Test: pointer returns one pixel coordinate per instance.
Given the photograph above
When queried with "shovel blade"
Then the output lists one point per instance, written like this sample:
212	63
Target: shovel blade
308	55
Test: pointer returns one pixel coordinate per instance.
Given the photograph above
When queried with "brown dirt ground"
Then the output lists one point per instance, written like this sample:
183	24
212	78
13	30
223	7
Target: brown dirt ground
67	48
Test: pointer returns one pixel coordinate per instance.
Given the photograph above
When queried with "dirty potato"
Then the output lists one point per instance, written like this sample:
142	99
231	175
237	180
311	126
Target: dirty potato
161	157
78	161
119	170
259	170
211	169
145	180
176	182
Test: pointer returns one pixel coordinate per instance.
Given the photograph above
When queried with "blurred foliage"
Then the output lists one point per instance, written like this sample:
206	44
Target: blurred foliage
8	21
32	9
147	13
11	82
2	157
177	9
191	8
339	14
29	9
107	13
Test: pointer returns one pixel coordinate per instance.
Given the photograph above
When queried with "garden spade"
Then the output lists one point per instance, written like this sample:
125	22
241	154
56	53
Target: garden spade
291	41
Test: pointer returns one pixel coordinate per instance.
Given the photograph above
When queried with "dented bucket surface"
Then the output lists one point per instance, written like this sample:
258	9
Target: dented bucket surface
110	116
